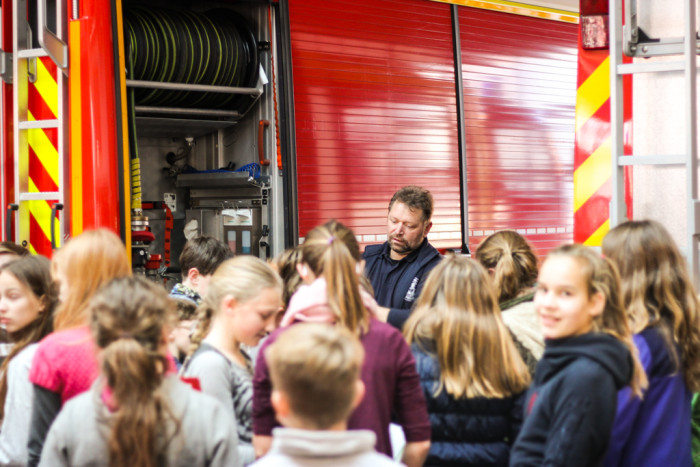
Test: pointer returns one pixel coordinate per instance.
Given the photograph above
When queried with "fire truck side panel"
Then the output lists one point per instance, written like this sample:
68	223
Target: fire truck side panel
375	109
95	192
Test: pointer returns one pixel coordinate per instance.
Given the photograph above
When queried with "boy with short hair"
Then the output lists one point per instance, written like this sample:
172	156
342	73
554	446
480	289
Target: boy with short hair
315	374
199	259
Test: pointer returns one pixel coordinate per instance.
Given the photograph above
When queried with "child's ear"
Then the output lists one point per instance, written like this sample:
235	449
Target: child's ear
359	393
228	303
281	404
304	271
193	276
597	304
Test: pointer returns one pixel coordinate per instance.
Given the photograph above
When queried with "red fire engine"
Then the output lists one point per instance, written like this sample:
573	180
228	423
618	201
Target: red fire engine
254	121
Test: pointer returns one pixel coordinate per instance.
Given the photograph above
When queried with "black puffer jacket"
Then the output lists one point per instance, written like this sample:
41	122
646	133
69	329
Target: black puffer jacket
476	431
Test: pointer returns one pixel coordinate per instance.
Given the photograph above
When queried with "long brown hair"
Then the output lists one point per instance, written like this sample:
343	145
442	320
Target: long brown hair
600	275
89	261
243	278
128	320
457	314
657	290
34	273
332	252
513	262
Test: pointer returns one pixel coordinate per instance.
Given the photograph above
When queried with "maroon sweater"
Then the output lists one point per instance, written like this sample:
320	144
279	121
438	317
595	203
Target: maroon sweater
392	387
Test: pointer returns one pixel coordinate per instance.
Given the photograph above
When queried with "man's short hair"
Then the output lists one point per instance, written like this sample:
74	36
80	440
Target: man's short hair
317	367
414	197
205	254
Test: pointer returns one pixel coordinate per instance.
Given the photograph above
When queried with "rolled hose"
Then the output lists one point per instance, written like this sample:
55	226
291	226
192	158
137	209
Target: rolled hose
180	46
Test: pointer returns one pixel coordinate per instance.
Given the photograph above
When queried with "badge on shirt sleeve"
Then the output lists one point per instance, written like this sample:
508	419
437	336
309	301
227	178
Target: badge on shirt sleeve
411	294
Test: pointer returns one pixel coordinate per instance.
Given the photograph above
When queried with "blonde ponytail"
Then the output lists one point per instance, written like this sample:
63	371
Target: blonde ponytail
331	251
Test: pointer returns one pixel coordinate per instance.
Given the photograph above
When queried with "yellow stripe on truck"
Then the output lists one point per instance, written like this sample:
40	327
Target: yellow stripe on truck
597	238
76	135
592	174
593	93
47	87
40	210
44	149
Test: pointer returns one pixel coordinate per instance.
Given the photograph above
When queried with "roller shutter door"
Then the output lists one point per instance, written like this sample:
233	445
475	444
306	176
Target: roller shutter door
519	79
375	109
374	96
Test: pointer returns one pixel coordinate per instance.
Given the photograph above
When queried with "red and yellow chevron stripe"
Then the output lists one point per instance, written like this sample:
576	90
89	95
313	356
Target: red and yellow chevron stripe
593	157
43	155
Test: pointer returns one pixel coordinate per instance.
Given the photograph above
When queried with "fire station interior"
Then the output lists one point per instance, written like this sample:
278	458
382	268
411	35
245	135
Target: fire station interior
203	156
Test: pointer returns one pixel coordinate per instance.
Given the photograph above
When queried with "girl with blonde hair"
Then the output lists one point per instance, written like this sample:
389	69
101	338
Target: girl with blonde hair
138	413
663	308
65	364
589	356
27	301
512	266
330	268
470	370
240	307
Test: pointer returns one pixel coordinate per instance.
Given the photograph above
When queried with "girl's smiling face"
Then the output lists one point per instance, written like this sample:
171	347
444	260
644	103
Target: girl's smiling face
19	306
562	300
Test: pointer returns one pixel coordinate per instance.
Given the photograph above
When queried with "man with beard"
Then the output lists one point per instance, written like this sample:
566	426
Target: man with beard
398	267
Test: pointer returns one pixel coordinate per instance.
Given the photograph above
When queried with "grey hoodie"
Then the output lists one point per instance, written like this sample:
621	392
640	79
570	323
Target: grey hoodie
206	436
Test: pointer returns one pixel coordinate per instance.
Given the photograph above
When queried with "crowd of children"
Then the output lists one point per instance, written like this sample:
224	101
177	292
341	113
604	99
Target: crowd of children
581	359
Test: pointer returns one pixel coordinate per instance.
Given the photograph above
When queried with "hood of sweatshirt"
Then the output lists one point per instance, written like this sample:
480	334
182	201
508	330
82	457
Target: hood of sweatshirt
602	348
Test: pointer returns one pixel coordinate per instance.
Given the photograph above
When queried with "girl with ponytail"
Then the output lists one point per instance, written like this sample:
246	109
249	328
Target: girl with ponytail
240	307
27	301
137	414
330	267
512	267
65	364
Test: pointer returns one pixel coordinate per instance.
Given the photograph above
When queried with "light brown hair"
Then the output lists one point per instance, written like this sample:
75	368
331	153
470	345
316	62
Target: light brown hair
317	366
513	262
34	273
458	320
414	197
600	275
89	261
286	265
129	318
332	252
243	278
657	290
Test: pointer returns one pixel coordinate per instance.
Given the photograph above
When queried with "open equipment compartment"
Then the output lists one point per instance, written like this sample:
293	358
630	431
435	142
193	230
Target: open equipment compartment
199	109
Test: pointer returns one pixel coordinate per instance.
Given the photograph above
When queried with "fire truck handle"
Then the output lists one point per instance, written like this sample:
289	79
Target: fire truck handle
8	220
261	142
54	208
50	42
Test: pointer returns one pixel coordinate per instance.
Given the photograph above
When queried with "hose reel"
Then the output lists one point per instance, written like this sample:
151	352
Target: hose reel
180	46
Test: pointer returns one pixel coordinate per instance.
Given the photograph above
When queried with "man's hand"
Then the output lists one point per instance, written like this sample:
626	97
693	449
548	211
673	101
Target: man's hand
382	313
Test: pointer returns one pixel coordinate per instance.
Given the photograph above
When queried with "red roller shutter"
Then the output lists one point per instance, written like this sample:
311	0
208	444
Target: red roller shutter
374	96
519	76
